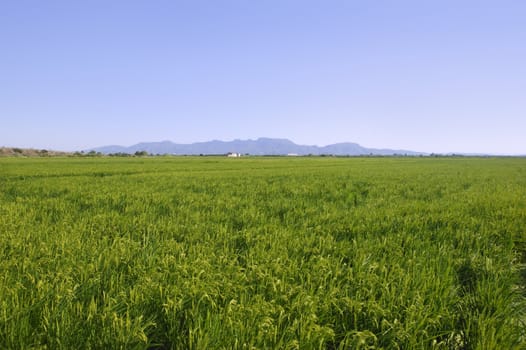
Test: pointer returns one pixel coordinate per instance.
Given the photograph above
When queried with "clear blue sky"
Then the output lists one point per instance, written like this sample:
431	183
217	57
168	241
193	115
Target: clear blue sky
433	76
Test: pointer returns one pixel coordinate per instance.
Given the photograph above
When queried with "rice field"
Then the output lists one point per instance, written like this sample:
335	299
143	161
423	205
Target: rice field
262	253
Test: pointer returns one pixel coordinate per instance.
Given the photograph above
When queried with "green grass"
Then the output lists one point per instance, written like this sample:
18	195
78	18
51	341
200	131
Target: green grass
260	253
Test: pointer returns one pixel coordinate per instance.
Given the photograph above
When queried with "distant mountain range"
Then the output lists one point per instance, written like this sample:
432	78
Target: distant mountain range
261	146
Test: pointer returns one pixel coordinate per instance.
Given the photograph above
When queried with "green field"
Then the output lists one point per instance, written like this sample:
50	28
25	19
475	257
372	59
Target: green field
262	253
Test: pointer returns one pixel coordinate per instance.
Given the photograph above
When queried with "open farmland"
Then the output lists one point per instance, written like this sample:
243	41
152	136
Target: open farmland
288	253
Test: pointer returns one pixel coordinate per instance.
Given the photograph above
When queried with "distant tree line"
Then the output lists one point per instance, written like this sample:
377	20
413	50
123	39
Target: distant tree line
117	154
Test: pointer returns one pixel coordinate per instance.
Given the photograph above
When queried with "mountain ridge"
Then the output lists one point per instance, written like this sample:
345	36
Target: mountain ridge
260	146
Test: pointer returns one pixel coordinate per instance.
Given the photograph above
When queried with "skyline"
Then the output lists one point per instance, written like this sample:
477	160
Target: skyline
434	77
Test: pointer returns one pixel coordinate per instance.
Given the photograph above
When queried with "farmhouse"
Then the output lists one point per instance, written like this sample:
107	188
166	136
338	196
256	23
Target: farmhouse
233	154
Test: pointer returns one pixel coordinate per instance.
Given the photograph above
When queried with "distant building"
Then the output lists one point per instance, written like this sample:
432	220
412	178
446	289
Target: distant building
292	154
233	154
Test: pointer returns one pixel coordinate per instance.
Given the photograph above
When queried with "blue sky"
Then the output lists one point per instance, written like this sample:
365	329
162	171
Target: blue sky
432	76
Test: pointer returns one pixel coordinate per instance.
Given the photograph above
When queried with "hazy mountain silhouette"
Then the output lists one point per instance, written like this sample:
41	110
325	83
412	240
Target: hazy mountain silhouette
261	146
